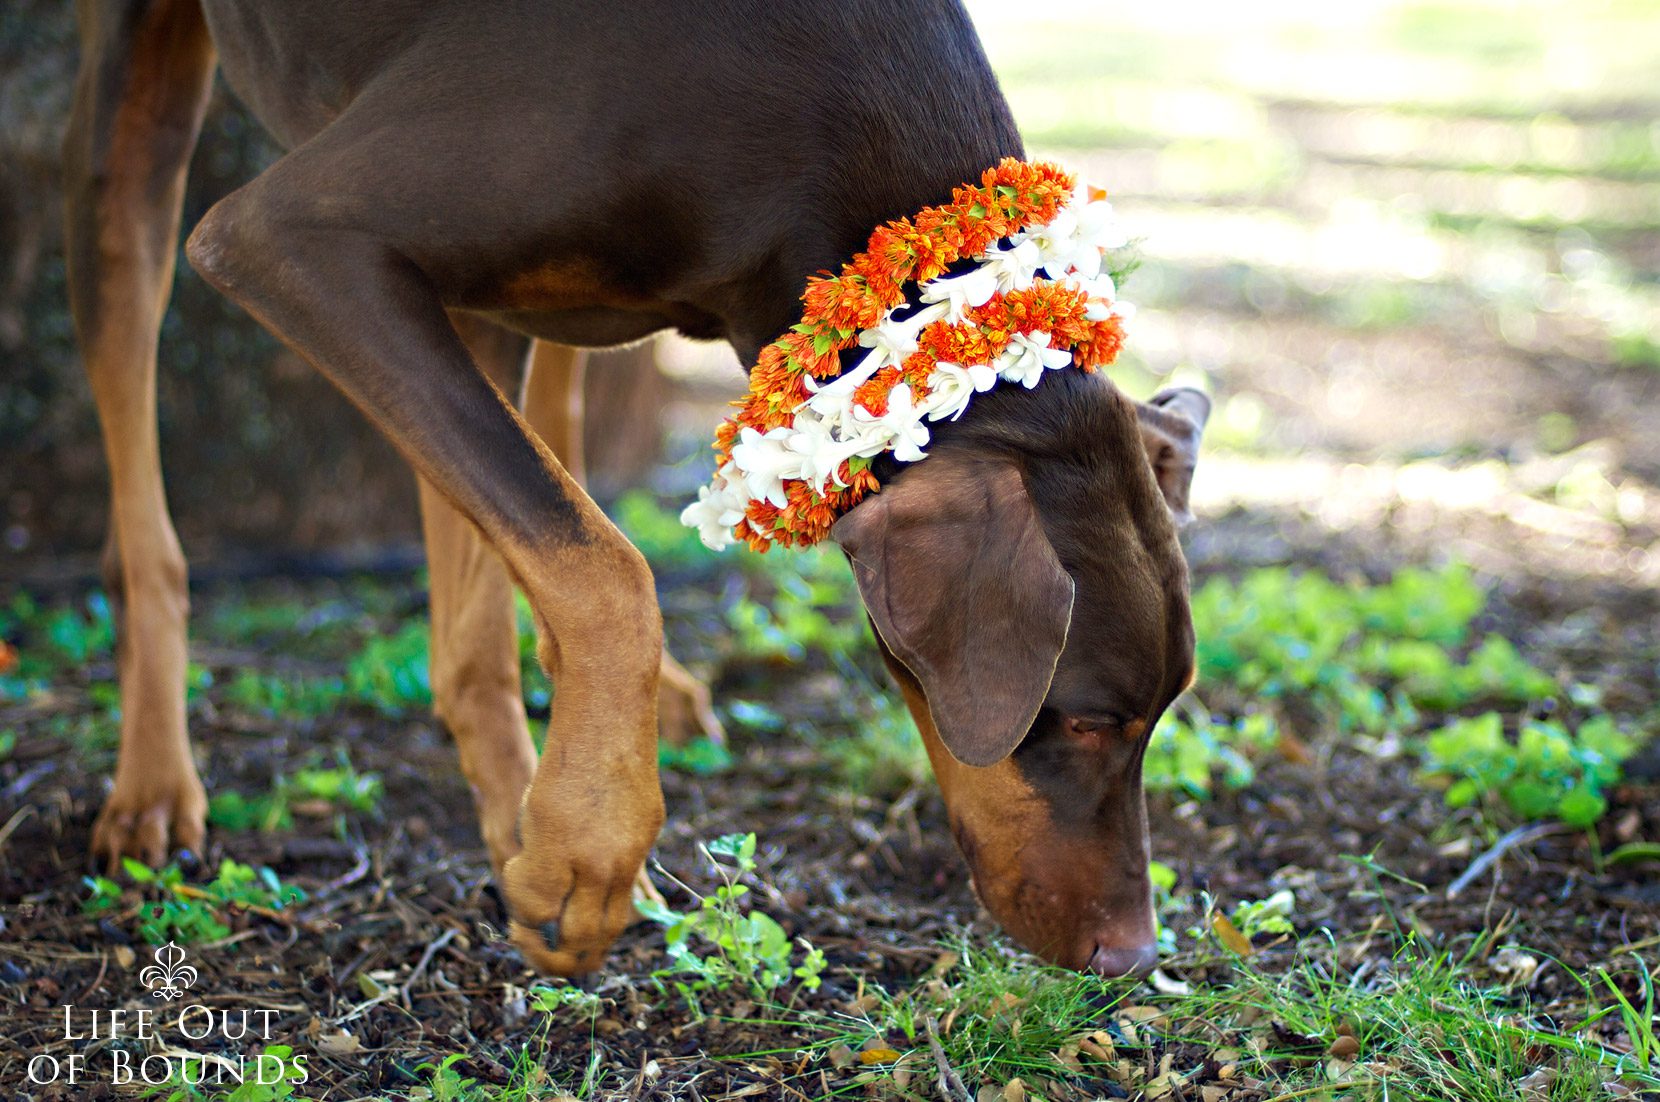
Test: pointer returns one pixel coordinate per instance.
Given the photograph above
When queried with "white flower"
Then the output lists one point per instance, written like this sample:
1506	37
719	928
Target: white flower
1055	243
1028	357
899	430
972	288
822	452
951	386
1098	225
1102	293
894	339
832	402
904	422
717	509
765	461
1014	267
1075	238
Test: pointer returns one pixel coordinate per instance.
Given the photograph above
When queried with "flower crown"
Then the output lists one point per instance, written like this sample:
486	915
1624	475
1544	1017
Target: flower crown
948	303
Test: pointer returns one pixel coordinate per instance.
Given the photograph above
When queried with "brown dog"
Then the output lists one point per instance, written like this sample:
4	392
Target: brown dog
588	173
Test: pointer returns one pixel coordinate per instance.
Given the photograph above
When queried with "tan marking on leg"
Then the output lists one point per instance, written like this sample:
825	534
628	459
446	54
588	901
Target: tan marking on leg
139	102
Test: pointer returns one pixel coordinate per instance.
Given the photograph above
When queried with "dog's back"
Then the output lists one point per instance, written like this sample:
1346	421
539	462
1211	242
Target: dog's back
713	154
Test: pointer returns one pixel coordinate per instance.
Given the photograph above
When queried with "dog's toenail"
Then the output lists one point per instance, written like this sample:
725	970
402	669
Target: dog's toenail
550	934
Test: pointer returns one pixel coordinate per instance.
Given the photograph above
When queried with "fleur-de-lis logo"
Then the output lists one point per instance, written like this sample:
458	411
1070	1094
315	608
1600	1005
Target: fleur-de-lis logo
170	975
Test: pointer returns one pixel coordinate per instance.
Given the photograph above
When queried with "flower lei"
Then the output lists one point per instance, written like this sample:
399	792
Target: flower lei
798	453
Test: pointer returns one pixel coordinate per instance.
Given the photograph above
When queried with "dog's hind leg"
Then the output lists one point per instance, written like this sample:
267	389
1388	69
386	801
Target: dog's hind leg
553	405
146	70
476	689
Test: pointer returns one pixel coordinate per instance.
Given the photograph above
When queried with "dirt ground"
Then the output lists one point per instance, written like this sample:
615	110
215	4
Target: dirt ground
404	893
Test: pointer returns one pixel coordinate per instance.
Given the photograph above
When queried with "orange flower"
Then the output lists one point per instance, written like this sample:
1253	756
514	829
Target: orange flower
873	392
843	303
801	353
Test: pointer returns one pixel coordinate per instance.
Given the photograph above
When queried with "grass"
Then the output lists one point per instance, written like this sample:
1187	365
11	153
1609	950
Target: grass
1420	1027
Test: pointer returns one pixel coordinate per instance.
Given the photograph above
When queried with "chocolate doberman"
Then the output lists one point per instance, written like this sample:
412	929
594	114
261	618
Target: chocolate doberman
462	175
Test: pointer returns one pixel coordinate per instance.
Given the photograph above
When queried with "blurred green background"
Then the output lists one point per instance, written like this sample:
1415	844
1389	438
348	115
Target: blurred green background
1411	246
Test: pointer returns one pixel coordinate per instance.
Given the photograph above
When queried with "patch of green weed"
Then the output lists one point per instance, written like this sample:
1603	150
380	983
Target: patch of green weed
883	755
340	786
719	946
274	1076
1548	771
701	757
1188	755
171	909
391	671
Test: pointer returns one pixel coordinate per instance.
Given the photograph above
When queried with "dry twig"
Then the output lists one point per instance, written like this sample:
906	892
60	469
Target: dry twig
1521	836
950	1084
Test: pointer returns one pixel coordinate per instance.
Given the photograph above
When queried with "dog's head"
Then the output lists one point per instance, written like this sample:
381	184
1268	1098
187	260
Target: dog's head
1031	599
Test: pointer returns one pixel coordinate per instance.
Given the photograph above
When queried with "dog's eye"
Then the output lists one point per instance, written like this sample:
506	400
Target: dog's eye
1094	727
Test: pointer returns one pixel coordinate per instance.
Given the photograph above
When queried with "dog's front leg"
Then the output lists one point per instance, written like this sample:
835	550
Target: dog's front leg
308	249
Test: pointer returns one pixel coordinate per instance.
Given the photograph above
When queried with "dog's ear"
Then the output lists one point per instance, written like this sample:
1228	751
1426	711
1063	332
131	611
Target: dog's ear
966	591
1171	422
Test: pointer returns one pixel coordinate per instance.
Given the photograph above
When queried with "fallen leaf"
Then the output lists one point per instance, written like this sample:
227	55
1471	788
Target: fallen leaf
841	1056
1228	934
1096	1052
1295	750
1517	968
1014	1090
339	1044
1536	1087
124	956
878	1056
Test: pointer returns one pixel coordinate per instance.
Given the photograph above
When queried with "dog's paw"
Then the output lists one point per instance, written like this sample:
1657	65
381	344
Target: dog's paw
147	815
567	913
684	708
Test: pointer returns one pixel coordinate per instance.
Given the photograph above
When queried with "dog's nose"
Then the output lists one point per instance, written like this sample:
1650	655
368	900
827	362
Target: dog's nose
1113	960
